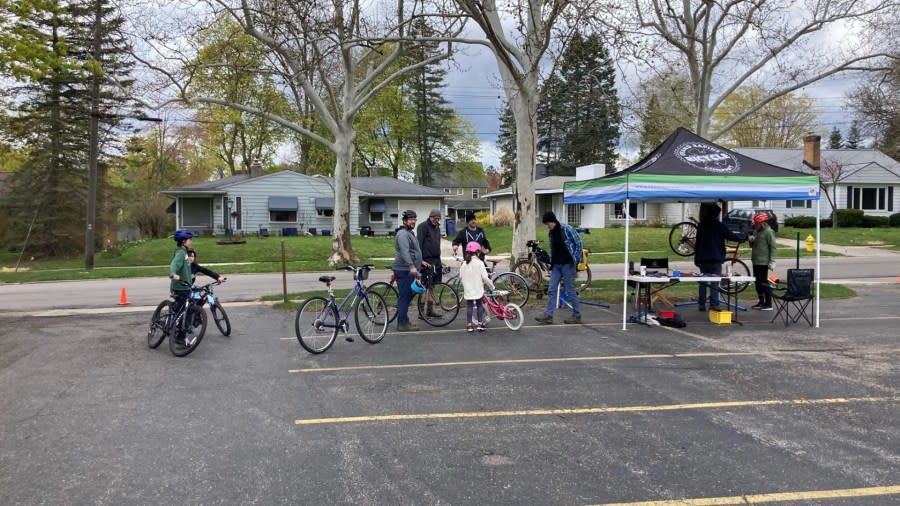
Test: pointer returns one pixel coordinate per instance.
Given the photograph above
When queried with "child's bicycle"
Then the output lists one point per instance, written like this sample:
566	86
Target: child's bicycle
510	313
318	319
203	296
167	323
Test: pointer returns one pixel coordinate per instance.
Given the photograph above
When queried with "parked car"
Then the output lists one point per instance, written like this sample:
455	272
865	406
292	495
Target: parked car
739	219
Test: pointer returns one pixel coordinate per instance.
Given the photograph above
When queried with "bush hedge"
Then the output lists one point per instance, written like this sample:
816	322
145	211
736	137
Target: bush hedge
850	217
875	221
801	222
894	220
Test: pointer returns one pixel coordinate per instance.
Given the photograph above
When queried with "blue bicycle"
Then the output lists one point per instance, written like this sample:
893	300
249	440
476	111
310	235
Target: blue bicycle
166	322
319	319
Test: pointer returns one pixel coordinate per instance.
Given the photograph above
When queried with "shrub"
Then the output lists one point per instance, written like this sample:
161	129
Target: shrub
483	218
875	221
504	217
849	217
894	220
801	222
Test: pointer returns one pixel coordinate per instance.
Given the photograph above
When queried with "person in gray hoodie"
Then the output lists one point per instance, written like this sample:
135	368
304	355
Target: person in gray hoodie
407	260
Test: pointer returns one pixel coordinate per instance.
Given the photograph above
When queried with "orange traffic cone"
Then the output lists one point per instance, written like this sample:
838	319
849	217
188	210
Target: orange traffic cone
123	298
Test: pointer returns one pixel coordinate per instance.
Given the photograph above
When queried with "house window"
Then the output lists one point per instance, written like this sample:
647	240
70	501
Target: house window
638	211
474	193
376	217
448	191
459	191
798	204
573	214
868	198
283	216
325	212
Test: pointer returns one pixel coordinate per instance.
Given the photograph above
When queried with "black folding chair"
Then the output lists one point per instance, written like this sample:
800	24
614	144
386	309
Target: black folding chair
796	299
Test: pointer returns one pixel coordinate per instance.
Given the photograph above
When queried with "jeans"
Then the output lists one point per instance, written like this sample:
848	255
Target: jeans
716	270
404	279
565	273
472	304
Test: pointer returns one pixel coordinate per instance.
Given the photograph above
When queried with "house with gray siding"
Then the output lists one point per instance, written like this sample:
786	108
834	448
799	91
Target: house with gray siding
463	194
290	203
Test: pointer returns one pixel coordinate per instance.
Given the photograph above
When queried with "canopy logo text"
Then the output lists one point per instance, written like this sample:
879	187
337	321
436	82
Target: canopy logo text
707	157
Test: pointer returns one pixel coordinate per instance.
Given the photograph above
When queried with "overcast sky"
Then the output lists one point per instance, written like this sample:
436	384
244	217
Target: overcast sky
473	87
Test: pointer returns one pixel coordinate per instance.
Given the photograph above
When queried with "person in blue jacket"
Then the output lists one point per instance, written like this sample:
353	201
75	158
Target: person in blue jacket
709	251
566	250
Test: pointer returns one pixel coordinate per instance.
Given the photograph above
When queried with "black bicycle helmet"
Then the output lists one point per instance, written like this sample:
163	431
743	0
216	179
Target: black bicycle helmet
183	235
409	214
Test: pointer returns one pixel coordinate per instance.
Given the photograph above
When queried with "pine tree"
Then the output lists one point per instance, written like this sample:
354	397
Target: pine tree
853	136
506	143
434	118
52	118
835	140
551	123
591	103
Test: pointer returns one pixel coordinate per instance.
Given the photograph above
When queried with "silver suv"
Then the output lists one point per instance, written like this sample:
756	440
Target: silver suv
740	219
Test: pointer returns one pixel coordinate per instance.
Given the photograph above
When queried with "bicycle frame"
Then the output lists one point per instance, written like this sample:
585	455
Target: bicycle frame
357	293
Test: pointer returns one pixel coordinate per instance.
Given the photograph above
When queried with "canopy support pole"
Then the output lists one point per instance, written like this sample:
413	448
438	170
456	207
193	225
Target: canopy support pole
625	264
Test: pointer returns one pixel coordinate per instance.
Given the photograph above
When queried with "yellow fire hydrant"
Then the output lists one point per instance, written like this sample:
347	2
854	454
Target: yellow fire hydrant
810	243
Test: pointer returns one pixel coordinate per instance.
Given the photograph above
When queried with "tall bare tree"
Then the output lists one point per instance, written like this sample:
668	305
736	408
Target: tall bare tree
335	55
726	44
519	53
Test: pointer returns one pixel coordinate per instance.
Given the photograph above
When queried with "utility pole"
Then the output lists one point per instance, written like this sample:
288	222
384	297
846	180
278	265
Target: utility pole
94	141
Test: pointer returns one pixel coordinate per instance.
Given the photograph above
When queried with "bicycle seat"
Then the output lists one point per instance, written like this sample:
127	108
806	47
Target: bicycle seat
327	279
495	259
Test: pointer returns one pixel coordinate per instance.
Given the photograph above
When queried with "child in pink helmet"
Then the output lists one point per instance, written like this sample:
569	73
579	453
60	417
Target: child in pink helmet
474	277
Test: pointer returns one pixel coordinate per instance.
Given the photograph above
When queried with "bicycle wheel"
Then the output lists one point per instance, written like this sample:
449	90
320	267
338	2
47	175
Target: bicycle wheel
738	268
531	272
388	293
158	322
683	238
220	317
371	314
316	324
446	298
583	280
192	339
516	285
456	283
513	316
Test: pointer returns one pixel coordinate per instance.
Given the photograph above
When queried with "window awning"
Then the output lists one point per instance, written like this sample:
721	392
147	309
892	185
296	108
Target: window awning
282	203
325	203
376	206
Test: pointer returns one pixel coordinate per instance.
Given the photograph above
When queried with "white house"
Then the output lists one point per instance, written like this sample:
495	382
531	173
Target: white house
291	203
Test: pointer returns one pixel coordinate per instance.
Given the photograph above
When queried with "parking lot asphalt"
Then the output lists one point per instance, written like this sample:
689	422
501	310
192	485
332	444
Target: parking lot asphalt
561	414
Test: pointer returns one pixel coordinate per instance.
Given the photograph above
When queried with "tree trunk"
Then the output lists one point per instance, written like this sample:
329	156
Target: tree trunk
340	239
524	107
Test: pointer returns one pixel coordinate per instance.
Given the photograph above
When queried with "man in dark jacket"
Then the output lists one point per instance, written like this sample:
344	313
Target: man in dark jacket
566	250
472	232
709	252
429	234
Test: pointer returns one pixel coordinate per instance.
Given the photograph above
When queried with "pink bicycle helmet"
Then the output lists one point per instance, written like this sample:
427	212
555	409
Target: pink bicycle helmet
473	247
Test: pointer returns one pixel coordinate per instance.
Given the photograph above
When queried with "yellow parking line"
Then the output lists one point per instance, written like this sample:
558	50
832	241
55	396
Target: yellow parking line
591	411
526	361
501	327
764	498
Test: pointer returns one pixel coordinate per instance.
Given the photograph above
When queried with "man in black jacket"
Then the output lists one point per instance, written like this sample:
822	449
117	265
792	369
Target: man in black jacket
472	232
429	234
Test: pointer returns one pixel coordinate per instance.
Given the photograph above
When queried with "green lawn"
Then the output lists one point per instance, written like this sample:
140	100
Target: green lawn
151	258
886	237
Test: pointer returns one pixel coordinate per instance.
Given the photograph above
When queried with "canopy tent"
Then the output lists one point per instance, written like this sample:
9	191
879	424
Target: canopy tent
688	168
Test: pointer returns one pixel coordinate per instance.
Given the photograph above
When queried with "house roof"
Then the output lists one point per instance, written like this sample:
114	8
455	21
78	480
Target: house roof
545	185
380	186
852	160
384	186
458	181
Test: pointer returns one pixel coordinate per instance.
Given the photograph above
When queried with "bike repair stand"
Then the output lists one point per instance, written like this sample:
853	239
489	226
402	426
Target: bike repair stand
562	299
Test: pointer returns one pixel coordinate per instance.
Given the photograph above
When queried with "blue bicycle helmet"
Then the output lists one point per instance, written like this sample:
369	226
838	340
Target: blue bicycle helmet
417	287
183	235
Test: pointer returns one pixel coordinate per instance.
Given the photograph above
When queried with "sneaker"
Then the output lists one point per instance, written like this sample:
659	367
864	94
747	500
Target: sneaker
714	307
544	318
758	306
470	327
479	327
701	307
406	326
766	308
573	319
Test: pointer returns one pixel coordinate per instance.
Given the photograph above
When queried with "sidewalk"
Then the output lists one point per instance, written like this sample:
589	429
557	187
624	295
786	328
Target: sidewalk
850	251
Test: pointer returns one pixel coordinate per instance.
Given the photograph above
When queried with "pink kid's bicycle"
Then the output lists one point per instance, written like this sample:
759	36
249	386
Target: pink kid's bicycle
510	313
